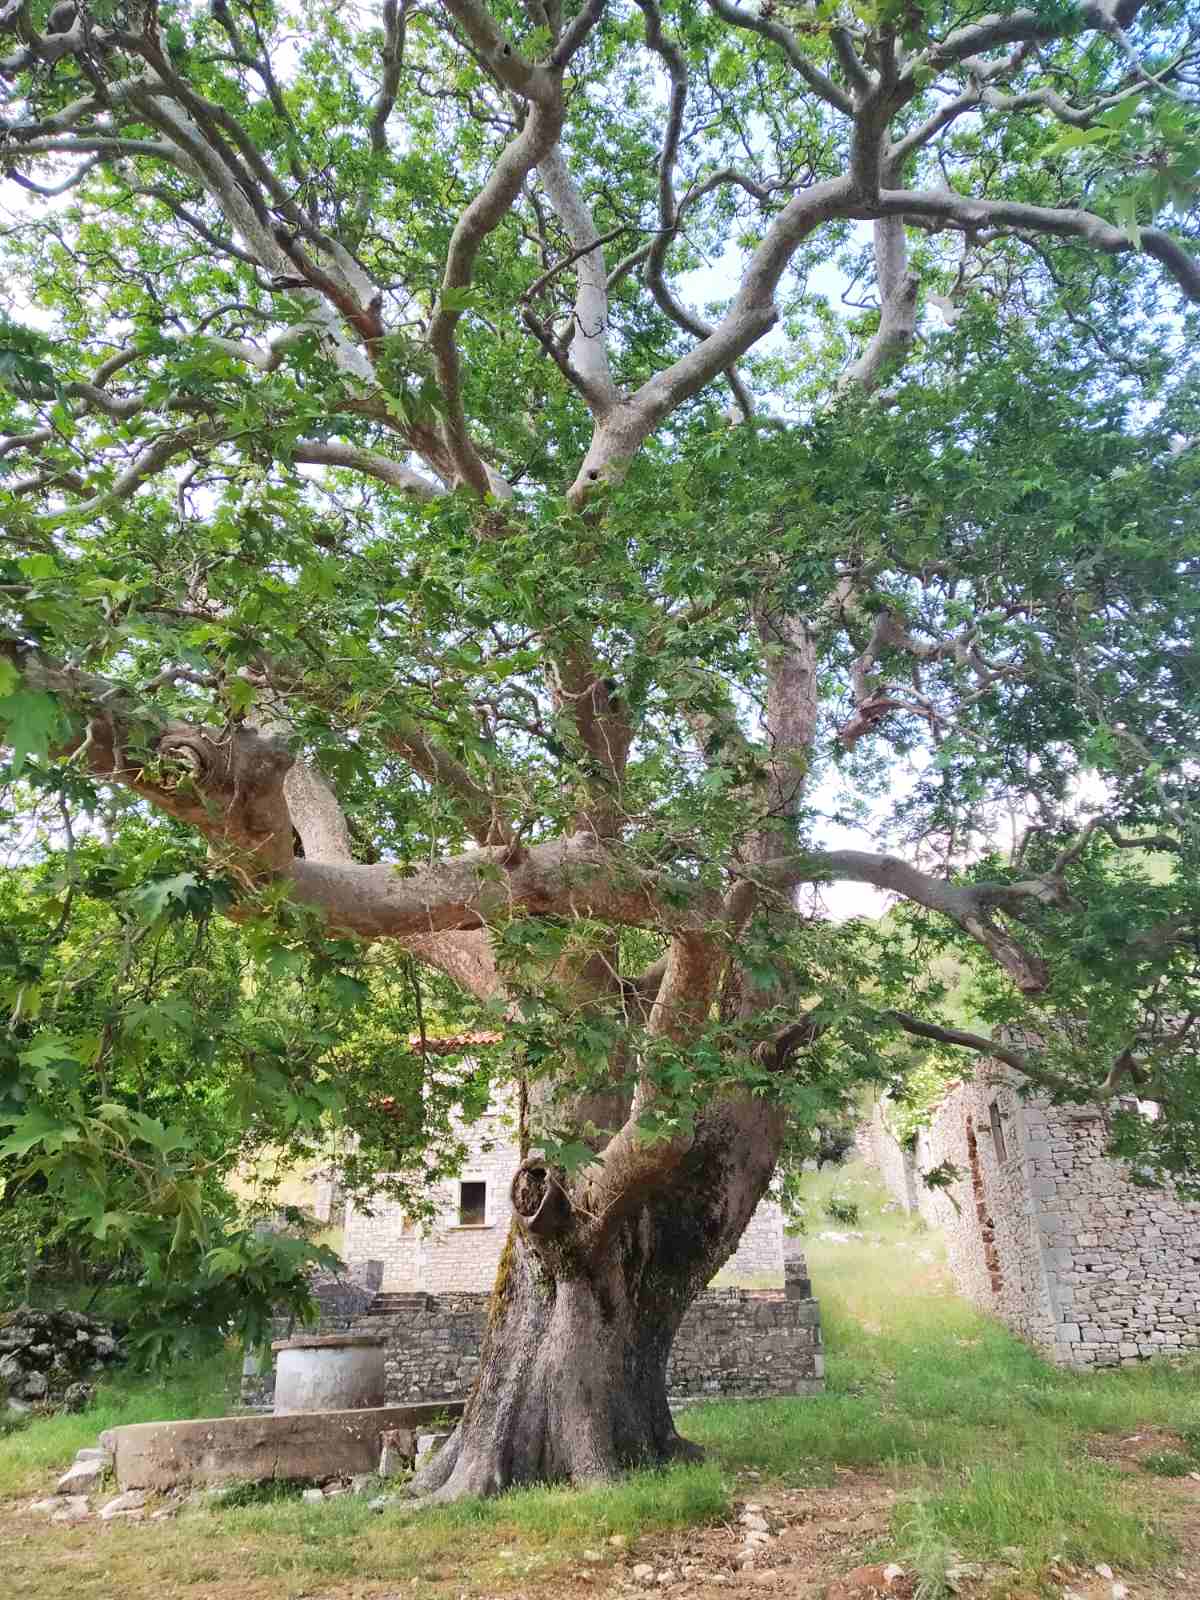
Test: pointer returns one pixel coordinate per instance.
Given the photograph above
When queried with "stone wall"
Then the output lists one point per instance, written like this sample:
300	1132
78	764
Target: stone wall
731	1342
894	1164
445	1256
1047	1232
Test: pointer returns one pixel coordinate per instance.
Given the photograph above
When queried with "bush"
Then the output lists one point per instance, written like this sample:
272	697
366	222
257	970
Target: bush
839	1209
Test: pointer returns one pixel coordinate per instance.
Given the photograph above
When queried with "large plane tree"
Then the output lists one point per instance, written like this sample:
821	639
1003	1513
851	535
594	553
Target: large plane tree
504	478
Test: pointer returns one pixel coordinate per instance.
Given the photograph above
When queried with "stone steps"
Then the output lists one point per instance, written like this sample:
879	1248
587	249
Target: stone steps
395	1304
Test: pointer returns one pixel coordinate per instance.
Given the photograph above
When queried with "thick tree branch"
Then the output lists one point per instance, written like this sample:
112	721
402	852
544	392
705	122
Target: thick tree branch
958	211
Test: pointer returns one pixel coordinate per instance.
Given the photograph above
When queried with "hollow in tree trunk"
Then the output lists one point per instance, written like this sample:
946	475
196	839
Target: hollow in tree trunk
573	1370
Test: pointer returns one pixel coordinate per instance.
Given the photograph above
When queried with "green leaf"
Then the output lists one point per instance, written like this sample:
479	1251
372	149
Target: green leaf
37	1127
32	721
1075	139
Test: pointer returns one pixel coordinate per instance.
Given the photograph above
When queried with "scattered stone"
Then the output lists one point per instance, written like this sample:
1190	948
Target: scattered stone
643	1572
1103	1570
753	1521
757	1537
619	1541
870	1583
667	1577
123	1505
94	1452
71	1508
429	1444
34	1386
163	1513
81	1477
313	1496
48	1505
398	1450
78	1396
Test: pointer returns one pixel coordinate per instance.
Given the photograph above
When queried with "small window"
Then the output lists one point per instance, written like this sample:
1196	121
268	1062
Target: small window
472	1205
998	1133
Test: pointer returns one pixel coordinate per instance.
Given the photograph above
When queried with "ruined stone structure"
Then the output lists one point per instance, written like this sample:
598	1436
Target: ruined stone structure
1046	1231
460	1250
732	1342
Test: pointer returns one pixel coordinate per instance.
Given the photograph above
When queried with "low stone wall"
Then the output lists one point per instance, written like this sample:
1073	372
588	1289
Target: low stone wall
1048	1232
732	1343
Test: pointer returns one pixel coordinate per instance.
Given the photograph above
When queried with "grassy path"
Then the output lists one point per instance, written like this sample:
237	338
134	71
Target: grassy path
942	1444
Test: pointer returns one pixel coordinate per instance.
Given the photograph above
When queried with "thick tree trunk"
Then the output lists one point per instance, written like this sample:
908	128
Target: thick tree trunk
574	1362
572	1384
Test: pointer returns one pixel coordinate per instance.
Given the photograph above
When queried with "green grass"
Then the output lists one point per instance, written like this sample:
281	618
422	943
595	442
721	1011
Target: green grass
48	1444
992	1437
985	1444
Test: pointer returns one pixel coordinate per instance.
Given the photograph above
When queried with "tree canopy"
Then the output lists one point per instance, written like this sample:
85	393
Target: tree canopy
504	486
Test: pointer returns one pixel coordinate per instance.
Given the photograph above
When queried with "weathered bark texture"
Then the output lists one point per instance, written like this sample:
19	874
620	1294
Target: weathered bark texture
573	1378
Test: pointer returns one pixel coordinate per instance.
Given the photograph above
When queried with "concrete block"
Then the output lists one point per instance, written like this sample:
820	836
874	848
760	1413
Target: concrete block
311	1444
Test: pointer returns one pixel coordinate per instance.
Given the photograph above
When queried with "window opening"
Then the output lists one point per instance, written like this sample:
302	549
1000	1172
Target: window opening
472	1205
998	1132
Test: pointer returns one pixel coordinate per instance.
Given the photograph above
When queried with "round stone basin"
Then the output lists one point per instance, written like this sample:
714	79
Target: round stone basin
328	1372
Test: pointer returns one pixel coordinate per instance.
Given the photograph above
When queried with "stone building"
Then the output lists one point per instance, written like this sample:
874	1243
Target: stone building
459	1250
424	1287
1044	1229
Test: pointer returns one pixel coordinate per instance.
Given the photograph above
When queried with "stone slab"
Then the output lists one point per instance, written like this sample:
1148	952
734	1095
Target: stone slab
312	1445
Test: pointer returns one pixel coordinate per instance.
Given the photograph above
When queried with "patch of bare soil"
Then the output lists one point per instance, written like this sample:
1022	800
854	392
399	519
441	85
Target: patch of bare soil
1174	1503
793	1543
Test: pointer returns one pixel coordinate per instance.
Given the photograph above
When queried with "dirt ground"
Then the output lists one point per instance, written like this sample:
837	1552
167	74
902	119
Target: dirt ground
808	1543
824	1546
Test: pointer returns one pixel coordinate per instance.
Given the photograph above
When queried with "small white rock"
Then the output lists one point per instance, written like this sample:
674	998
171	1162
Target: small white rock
81	1477
619	1541
752	1520
758	1537
124	1504
643	1572
592	1555
72	1508
667	1577
313	1496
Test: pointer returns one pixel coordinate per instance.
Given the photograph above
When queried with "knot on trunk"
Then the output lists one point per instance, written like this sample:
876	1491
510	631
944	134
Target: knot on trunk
539	1200
227	784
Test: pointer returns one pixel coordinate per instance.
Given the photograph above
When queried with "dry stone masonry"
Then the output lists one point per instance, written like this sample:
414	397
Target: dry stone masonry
1045	1230
733	1342
44	1355
460	1250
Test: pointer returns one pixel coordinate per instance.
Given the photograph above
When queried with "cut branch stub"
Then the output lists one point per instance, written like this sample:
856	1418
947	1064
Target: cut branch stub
227	785
539	1200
